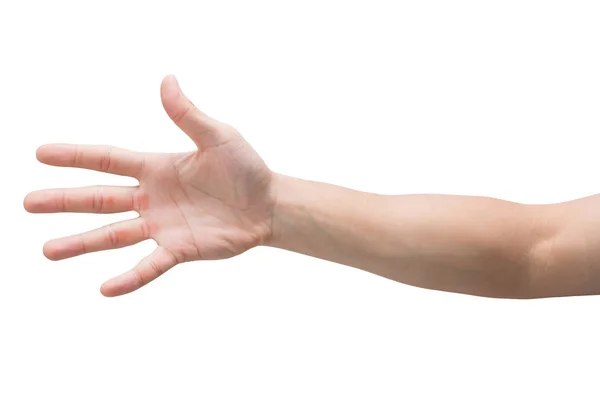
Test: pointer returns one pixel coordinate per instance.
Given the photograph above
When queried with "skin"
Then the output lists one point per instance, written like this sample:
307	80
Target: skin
221	199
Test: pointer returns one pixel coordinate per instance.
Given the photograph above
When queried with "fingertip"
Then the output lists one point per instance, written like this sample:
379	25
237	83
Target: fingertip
121	284
41	152
27	203
48	153
171	96
34	202
169	78
50	253
105	290
169	86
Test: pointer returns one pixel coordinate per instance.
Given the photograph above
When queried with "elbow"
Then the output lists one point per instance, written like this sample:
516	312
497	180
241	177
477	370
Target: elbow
546	270
561	263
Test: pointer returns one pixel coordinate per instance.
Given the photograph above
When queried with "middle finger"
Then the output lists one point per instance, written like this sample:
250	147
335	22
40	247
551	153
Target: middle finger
91	199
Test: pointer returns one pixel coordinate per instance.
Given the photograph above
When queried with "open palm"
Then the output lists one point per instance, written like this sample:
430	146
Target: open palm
212	203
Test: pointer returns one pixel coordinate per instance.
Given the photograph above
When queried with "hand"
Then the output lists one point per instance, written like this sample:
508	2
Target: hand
213	203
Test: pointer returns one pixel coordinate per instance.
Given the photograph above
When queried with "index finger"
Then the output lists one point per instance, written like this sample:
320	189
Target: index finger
112	160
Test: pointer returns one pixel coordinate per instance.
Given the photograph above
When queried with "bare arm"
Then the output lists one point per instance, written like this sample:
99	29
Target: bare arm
221	199
474	245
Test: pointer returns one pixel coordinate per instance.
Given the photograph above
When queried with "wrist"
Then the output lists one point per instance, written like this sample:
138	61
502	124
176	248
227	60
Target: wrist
280	186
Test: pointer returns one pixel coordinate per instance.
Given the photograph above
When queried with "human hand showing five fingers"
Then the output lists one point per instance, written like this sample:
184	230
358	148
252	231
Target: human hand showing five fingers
212	203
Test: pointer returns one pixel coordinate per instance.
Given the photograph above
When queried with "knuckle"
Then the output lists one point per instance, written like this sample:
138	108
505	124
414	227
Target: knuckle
97	201
141	165
106	159
140	277
61	201
173	256
77	156
82	246
111	236
145	229
180	114
156	268
139	201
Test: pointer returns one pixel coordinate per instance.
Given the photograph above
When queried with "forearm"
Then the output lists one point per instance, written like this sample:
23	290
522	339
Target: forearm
463	244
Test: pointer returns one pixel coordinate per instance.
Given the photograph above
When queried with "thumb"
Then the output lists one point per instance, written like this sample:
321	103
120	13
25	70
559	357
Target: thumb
202	129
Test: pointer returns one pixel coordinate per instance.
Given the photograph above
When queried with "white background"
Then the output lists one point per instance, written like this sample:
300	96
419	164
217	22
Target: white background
466	97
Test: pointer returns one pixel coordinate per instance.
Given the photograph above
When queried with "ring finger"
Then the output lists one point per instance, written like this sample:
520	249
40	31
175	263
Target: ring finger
113	236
